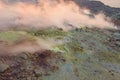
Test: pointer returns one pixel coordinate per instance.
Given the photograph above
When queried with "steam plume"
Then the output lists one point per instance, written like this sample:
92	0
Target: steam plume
44	14
47	13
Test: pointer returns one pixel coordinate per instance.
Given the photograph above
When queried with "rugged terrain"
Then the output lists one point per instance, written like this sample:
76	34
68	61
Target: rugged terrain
79	54
51	53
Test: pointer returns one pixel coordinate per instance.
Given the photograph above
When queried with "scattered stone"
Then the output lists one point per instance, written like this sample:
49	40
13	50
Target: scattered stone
38	73
23	55
117	35
3	67
112	74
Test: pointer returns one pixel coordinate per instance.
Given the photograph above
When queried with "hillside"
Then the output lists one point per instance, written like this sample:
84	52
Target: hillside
84	54
59	40
98	7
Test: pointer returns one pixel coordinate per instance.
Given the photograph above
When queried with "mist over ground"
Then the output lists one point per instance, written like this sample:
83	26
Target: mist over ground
47	13
59	40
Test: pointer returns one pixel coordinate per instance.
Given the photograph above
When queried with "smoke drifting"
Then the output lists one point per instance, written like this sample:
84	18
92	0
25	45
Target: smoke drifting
44	14
47	13
30	46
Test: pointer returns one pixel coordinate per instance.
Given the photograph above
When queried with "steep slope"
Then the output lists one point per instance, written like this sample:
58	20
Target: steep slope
97	6
82	54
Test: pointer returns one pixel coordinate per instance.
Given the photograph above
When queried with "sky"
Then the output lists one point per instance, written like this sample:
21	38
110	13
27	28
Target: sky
113	3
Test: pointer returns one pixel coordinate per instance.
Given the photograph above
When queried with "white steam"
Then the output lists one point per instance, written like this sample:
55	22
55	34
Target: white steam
48	13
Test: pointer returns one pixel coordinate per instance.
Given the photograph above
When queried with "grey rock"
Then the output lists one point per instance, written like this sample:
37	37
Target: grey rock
117	35
38	72
3	67
23	56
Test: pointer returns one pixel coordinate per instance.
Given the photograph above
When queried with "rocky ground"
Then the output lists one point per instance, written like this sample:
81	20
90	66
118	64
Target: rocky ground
79	54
